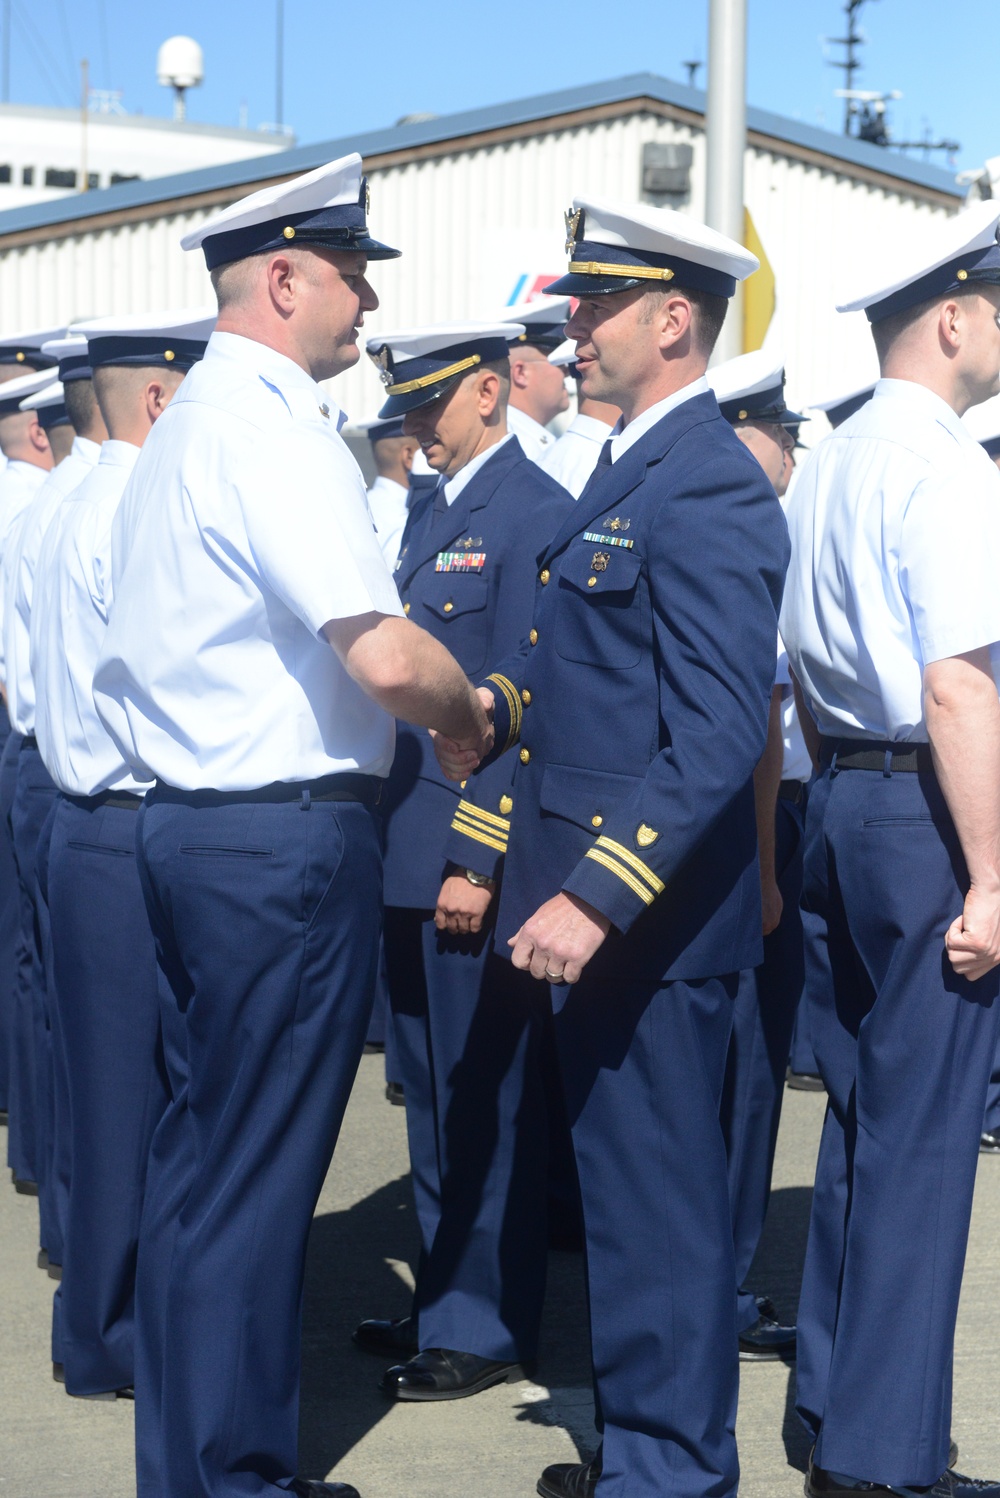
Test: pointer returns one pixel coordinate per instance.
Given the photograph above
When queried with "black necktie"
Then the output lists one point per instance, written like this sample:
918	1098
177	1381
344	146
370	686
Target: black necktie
601	467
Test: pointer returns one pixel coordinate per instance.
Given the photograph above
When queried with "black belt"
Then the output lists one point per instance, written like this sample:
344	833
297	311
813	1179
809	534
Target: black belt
793	791
125	800
28	741
876	754
349	786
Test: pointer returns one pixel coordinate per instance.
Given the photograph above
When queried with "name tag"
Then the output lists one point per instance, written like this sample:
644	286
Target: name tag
460	561
603	540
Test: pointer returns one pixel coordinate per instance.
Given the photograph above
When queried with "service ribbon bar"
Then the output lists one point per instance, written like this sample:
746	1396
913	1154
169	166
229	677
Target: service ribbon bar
461	561
608	540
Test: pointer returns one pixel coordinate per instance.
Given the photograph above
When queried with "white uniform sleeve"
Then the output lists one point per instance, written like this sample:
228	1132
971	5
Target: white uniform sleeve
310	530
949	559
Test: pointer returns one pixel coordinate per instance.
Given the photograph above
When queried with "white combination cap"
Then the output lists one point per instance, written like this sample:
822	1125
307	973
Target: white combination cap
565	354
613	246
26	348
952	253
14	392
418	365
751	387
50	403
328	207
543	318
176	338
70	353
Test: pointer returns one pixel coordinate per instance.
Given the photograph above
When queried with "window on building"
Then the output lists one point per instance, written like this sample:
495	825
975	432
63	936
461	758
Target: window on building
93	181
57	176
6	174
117	177
27	176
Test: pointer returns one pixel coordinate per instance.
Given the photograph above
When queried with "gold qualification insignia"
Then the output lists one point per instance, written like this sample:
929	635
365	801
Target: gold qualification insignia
599	561
617	524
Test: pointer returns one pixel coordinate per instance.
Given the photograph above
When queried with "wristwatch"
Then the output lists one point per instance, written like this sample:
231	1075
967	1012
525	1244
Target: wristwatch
481	881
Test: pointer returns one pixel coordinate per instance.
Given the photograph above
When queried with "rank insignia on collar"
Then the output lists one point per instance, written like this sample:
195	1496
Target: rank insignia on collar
572	227
645	836
469	542
616	524
599	561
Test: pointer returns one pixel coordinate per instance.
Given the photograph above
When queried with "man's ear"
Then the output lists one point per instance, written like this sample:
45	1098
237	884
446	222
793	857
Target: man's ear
281	281
518	372
38	438
488	393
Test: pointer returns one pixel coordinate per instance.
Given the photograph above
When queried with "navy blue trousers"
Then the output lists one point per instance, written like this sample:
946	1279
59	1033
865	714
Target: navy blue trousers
643	1068
763	1018
34	797
21	1064
469	1031
266	919
8	926
105	958
905	1048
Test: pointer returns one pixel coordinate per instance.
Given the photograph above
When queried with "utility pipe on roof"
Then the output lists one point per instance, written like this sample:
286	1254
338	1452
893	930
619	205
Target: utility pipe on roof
725	142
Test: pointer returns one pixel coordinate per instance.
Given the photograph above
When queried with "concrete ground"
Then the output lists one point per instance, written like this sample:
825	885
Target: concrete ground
493	1445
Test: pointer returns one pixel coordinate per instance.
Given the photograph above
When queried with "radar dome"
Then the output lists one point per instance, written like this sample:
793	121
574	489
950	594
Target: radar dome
180	63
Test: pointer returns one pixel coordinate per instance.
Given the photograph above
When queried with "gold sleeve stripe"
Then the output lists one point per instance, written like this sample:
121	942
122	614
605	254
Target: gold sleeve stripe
623	874
462	821
480	837
513	707
470	810
627	856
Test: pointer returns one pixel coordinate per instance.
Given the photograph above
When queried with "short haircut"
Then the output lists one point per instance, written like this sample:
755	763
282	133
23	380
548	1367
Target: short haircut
117	385
887	330
234	282
14	429
15	371
81	405
501	368
709	312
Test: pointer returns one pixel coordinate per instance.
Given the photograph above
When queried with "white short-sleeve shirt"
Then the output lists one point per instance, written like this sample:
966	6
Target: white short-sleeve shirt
536	440
68	625
20	568
573	457
895	531
244	529
19	484
389	504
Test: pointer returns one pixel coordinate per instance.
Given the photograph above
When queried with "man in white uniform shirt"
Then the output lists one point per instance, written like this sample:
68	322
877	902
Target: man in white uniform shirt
73	460
537	389
104	991
390	496
255	657
891	617
573	457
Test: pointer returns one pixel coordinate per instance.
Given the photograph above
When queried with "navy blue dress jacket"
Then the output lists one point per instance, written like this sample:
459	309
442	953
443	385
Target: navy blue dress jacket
467	576
638	703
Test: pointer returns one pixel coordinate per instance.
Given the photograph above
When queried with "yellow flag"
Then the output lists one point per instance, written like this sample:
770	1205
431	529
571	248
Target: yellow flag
758	291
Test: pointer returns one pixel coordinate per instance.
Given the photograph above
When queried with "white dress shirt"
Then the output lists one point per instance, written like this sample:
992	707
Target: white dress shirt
389	503
19	483
895	529
20	568
68	625
573	457
454	486
536	440
243	530
623	437
796	763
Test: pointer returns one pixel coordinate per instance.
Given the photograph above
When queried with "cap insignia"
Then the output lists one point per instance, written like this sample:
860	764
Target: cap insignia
645	836
381	359
617	524
368	197
572	226
600	561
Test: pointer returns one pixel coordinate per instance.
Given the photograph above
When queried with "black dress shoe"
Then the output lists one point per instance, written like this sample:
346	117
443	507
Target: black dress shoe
804	1081
440	1373
767	1341
58	1373
304	1487
106	1394
989	1142
43	1259
823	1484
54	1270
388	1339
570	1479
24	1188
394	1093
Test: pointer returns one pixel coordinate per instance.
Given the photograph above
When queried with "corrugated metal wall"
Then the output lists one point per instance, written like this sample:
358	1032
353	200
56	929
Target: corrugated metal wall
473	223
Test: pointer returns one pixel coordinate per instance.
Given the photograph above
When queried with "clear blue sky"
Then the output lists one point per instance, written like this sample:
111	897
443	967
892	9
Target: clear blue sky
354	66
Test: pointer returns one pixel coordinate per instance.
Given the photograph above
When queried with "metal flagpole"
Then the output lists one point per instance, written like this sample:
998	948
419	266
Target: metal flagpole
726	133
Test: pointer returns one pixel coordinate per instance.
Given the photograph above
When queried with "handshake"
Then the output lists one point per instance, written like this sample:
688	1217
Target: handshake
458	757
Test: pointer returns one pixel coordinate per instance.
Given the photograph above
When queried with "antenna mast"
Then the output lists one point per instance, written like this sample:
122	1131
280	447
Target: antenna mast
850	63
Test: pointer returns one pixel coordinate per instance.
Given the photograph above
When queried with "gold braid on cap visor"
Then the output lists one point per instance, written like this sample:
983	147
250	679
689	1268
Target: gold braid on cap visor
435	376
640	272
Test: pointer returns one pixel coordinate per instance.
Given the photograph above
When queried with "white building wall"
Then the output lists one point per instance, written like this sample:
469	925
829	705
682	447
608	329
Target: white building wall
472	224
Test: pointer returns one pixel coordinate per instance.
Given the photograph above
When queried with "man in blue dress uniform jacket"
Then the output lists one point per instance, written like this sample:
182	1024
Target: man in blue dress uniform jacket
639	701
469	1029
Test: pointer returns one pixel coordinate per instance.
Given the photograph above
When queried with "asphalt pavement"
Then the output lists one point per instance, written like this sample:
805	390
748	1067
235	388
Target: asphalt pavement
495	1444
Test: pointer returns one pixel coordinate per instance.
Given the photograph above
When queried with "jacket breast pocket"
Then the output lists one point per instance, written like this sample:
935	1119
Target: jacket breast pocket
454	610
599	621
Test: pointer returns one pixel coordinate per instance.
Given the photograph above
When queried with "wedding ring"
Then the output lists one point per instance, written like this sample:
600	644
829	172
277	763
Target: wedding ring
553	977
